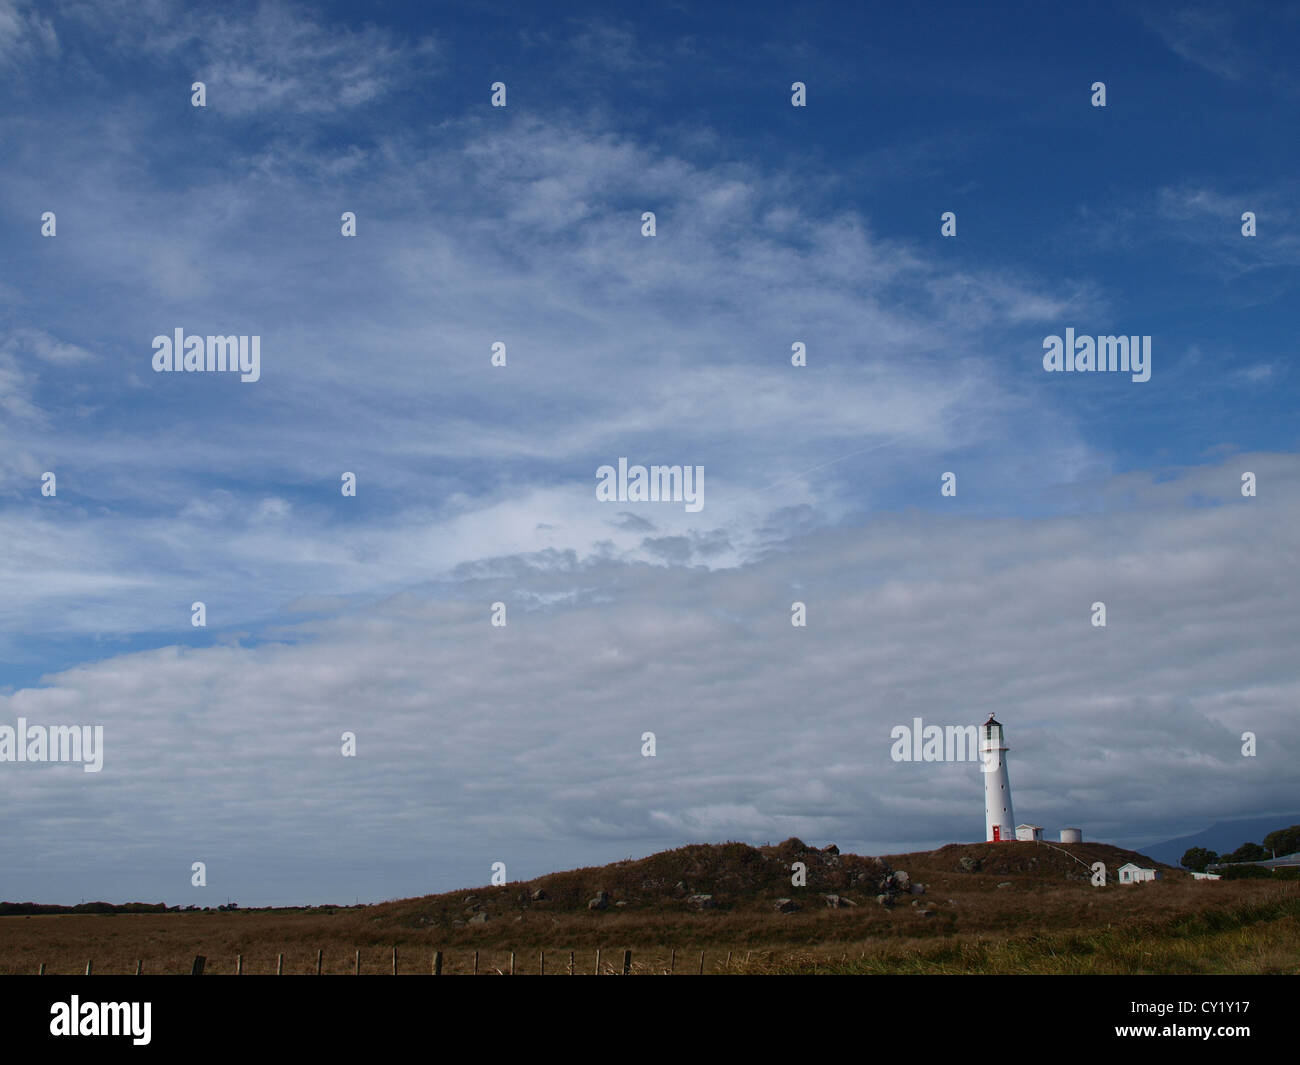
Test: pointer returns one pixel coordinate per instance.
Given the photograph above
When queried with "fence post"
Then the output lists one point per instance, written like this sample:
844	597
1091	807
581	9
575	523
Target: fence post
627	963
672	960
597	961
476	963
42	972
87	968
197	968
358	969
139	966
541	963
437	963
570	963
319	958
701	963
239	965
394	960
279	966
512	963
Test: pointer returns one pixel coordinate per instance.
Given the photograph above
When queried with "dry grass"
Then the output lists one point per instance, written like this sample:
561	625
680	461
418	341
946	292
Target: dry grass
1035	926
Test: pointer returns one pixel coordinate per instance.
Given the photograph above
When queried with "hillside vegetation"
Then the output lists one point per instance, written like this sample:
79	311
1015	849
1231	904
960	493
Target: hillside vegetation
982	907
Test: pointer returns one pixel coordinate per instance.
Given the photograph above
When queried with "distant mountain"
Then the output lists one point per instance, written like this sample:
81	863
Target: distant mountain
1221	837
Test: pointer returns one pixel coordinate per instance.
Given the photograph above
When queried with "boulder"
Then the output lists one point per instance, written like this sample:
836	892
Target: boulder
540	896
901	880
885	900
918	889
600	902
969	864
830	848
702	902
479	918
1004	884
786	906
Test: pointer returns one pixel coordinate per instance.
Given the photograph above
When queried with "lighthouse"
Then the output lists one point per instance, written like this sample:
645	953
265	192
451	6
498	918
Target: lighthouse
999	822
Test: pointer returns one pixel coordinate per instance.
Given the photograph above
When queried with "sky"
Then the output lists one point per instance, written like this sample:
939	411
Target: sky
476	483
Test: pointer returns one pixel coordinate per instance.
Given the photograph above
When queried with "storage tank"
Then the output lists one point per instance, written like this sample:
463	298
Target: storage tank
1071	835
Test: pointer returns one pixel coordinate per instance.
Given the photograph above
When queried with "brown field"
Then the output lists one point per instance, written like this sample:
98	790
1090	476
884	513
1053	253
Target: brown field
1044	918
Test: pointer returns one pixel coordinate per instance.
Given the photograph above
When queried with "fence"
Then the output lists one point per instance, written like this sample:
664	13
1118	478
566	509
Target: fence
497	963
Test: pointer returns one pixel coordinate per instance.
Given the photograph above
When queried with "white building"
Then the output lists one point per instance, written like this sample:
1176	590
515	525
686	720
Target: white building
999	822
1206	876
1029	833
1135	874
1071	835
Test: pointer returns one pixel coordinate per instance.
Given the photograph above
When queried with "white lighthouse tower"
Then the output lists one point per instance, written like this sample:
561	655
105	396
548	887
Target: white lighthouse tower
999	822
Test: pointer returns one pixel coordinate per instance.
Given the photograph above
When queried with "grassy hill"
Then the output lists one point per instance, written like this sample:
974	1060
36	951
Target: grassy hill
978	907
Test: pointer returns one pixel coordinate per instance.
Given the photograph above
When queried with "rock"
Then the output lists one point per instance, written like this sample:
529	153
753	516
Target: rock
479	918
540	896
473	909
969	865
832	901
620	903
925	913
703	902
682	887
901	880
885	900
830	848
786	906
457	923
598	903
1004	884
470	898
918	889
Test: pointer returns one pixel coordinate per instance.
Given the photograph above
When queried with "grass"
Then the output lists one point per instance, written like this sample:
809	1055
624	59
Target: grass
1022	913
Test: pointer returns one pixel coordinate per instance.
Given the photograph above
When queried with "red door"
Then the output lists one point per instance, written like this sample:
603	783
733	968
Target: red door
997	833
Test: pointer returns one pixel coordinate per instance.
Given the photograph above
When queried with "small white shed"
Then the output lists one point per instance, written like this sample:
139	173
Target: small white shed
1135	874
1029	833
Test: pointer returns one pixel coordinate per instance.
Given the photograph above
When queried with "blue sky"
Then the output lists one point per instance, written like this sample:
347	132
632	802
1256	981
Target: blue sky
522	224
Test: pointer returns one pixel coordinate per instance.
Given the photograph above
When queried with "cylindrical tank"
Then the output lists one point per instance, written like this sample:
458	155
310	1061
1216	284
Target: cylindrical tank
1071	835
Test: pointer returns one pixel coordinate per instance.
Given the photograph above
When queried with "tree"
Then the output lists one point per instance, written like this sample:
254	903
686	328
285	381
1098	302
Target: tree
1283	841
1197	858
1247	852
